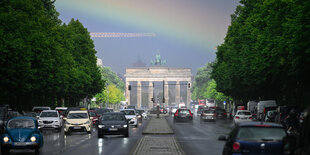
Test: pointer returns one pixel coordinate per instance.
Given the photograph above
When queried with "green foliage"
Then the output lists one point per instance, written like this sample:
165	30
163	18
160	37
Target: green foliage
44	62
266	52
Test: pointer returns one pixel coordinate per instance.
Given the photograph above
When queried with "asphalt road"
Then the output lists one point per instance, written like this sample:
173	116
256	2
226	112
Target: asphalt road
201	138
196	138
81	143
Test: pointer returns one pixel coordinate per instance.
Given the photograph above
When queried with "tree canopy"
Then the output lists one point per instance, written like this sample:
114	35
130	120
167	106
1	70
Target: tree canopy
266	52
44	62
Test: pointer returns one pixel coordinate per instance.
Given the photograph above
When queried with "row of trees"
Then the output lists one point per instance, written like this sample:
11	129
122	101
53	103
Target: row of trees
44	62
205	87
114	93
266	52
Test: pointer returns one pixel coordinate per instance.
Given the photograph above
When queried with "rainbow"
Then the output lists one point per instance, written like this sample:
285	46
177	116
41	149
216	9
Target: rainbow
163	17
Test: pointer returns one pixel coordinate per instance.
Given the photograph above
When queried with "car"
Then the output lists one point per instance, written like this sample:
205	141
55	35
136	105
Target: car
31	114
77	120
102	111
131	116
220	113
39	109
21	132
61	110
94	116
3	117
200	109
113	123
183	115
242	116
50	119
140	113
255	138
208	115
173	110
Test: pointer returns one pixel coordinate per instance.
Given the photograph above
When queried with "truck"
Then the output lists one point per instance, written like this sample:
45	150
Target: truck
210	103
261	105
251	106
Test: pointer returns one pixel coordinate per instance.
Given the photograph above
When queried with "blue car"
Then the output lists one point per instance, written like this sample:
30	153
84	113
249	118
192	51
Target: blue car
255	138
21	133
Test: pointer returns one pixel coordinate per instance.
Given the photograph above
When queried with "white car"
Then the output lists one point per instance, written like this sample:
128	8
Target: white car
77	121
50	119
243	116
131	116
173	110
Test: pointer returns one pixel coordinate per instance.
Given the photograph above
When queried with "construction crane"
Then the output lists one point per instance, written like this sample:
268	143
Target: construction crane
120	35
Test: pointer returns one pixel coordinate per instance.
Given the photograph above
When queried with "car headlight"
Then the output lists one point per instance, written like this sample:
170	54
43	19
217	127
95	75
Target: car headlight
87	122
33	139
5	139
56	121
100	126
125	126
40	121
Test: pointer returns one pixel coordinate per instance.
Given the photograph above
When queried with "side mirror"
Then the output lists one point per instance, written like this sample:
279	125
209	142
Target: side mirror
222	138
38	117
91	118
65	118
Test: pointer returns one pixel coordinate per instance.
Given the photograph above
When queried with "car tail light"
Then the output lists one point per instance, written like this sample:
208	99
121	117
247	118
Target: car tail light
190	113
236	146
176	113
237	117
250	117
224	113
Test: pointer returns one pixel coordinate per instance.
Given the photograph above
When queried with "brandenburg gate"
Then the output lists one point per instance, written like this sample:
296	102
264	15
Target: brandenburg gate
158	74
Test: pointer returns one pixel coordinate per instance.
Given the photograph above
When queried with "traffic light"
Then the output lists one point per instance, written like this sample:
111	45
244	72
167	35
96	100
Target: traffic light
163	100
152	99
129	87
189	85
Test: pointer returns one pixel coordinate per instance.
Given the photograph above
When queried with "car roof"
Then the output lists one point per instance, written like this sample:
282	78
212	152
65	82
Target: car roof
78	111
23	117
49	111
254	123
113	113
127	109
243	111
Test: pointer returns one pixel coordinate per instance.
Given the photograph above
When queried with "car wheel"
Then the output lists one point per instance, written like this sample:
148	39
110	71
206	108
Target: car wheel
67	133
5	150
58	129
100	135
89	132
37	150
126	134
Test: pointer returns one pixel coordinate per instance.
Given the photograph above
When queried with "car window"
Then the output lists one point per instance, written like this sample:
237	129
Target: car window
77	115
261	133
112	117
244	113
92	114
49	114
209	111
128	112
184	112
21	123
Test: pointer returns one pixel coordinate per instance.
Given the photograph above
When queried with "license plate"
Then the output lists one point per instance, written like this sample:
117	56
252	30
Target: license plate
77	127
113	129
20	143
209	117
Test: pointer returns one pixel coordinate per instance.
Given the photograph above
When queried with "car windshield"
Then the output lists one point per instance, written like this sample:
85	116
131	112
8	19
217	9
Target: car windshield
112	117
140	111
209	111
128	112
21	123
77	115
261	133
184	112
92	114
244	113
49	114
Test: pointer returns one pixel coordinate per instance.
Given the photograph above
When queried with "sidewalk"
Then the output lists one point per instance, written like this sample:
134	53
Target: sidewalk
157	126
160	139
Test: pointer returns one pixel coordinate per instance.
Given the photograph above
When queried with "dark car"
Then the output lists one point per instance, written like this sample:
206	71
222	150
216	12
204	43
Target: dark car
255	138
208	115
3	117
100	112
21	133
94	116
221	114
113	123
183	115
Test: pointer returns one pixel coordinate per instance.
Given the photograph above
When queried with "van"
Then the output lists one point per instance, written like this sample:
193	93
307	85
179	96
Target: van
251	106
261	106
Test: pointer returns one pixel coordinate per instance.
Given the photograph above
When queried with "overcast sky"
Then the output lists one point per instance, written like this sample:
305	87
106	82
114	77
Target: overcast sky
184	32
